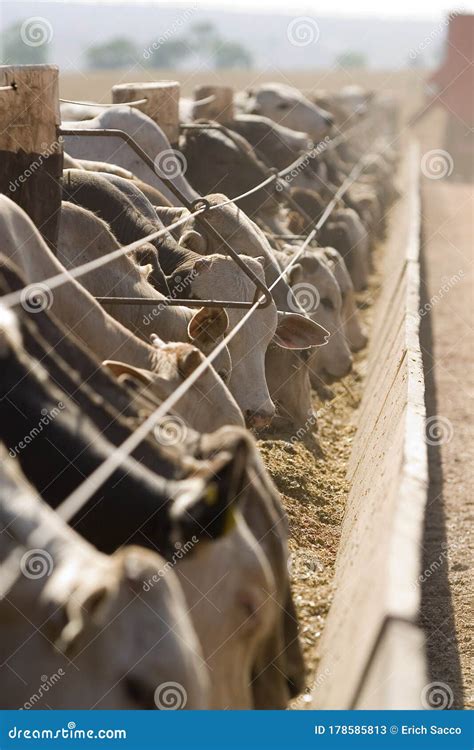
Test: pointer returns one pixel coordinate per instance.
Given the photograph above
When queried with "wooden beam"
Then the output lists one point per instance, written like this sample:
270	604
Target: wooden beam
31	151
162	103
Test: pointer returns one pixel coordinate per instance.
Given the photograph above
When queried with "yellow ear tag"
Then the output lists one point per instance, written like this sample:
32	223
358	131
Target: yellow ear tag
212	494
230	520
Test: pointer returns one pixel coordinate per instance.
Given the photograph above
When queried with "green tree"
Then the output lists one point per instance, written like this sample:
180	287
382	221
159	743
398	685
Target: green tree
203	36
352	59
116	53
232	55
167	53
25	43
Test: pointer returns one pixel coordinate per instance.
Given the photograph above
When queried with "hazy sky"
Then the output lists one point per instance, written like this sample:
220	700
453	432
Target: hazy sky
423	9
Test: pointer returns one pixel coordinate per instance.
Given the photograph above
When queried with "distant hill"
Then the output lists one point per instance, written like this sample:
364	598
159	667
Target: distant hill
385	43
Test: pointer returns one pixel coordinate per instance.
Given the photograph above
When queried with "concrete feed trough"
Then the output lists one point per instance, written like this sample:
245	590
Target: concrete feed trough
372	649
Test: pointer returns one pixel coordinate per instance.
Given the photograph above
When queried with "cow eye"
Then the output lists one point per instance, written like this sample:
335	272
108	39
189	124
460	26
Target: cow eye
327	303
283	105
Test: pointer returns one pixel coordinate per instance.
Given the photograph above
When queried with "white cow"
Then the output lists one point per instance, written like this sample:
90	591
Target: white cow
288	106
317	290
354	331
78	631
83	236
115	151
160	368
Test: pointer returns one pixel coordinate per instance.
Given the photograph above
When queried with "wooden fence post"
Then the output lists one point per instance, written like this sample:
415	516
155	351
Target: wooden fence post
162	103
31	151
220	109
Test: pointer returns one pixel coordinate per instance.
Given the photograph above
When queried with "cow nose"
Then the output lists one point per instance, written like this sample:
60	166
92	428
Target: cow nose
259	419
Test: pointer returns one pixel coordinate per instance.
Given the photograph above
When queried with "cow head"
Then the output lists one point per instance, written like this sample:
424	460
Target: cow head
219	276
320	292
205	405
290	107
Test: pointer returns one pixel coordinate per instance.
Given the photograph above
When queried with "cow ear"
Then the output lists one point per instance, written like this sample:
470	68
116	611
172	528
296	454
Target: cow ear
211	513
121	369
295	274
188	361
202	265
207	324
192	240
297	332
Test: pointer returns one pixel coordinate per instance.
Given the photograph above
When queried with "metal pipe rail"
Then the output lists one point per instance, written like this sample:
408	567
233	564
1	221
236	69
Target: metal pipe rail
196	207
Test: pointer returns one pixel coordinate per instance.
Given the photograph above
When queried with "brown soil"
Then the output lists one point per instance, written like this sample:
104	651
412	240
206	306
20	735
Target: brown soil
448	345
310	474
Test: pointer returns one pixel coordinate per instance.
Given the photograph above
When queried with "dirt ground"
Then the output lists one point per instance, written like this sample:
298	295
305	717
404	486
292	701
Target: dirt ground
448	347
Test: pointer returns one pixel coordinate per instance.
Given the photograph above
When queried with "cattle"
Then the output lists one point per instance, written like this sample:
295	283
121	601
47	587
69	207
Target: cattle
80	617
115	151
171	517
225	281
287	106
319	293
343	230
213	276
216	274
157	369
204	328
215	162
277	144
234	573
279	673
127	222
354	331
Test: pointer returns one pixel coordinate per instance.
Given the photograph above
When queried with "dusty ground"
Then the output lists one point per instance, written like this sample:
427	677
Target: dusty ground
96	85
310	475
448	347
